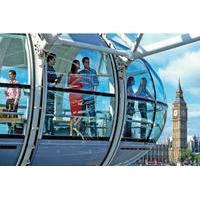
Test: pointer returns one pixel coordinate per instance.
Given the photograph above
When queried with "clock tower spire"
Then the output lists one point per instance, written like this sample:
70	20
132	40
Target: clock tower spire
179	125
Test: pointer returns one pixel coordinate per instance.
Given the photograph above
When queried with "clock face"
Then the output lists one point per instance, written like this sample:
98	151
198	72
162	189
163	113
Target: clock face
175	113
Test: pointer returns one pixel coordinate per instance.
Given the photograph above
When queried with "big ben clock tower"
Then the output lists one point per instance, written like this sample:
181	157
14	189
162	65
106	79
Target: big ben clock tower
179	126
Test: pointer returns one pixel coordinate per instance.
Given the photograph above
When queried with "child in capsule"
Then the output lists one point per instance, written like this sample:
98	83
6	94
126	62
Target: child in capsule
75	99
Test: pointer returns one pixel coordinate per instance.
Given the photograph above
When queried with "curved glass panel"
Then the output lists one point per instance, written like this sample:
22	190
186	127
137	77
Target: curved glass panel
146	115
139	72
81	94
140	106
160	119
142	121
14	84
160	93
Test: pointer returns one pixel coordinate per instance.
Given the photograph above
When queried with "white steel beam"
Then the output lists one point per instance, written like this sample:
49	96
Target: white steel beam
136	51
166	45
57	40
139	38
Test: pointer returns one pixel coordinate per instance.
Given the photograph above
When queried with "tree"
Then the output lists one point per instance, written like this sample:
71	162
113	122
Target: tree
186	155
197	158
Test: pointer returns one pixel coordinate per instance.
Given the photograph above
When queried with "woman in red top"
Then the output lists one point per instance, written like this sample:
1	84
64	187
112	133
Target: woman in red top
75	99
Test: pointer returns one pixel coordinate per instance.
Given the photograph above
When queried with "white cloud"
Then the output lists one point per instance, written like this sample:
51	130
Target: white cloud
193	111
193	122
3	80
194	90
156	37
187	68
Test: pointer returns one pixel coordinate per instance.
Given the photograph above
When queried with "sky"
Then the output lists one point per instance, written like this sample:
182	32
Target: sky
184	63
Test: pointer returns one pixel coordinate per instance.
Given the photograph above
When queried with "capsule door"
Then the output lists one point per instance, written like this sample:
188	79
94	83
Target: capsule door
15	91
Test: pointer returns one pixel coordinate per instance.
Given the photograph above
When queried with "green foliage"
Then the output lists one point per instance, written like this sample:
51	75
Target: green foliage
186	154
188	157
197	159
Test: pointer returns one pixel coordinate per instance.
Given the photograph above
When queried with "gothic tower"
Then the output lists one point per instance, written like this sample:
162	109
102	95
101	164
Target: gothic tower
179	126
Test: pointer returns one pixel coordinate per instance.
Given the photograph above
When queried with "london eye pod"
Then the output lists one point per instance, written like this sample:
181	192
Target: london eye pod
114	127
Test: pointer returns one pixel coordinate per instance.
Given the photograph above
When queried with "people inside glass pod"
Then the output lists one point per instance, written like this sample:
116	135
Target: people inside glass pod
82	105
143	92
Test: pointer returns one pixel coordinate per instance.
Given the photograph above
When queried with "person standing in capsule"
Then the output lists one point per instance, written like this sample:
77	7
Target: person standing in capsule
90	82
142	105
75	99
52	80
130	107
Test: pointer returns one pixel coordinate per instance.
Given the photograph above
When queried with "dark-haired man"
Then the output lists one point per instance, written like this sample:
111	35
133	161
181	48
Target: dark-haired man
90	82
52	80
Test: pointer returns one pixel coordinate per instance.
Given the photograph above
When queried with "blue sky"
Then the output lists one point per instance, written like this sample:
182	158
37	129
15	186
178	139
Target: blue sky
184	63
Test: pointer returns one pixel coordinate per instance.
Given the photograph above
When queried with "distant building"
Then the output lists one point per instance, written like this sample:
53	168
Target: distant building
195	144
190	142
179	126
159	155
